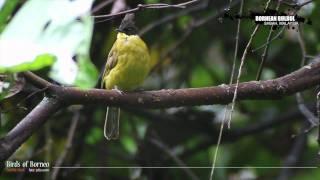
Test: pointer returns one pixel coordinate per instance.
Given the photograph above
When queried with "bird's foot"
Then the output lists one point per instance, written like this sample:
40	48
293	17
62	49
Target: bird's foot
118	90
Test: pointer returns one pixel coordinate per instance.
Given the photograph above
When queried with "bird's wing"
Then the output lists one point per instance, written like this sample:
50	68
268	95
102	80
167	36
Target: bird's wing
111	63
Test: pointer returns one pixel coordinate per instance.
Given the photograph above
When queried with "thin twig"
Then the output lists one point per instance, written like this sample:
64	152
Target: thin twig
312	119
266	49
240	72
237	43
230	2
251	129
294	155
118	6
68	144
264	55
174	46
175	158
215	156
148	6
101	5
296	5
304	110
234	96
230	82
304	3
242	63
18	104
173	16
283	28
193	25
266	43
318	114
48	149
302	45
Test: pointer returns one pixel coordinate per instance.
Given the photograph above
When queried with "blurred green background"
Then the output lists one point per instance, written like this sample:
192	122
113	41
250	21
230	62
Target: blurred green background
192	47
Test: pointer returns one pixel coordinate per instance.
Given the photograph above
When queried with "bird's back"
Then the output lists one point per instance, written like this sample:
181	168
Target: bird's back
132	63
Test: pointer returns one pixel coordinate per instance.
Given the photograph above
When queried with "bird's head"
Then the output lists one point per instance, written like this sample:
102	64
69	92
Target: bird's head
127	25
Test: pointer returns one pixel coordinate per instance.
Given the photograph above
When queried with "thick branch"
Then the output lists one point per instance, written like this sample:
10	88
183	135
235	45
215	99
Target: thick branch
27	126
302	79
299	80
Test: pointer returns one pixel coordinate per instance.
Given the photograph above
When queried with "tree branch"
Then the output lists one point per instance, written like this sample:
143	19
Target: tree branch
26	127
302	79
36	80
58	96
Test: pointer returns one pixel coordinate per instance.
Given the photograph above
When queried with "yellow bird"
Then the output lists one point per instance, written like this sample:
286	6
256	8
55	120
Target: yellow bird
127	66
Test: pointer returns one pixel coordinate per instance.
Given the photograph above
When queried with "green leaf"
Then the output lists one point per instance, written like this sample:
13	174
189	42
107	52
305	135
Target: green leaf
151	1
129	144
6	11
94	135
40	61
200	77
87	75
65	35
308	175
184	21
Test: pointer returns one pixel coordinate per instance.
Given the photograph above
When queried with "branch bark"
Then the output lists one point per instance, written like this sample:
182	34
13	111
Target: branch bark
36	80
26	127
57	97
302	79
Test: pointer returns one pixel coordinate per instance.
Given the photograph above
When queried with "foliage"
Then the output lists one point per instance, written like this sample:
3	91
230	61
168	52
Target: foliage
71	50
51	36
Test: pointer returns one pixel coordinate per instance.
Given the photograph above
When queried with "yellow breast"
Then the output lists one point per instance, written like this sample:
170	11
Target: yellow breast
132	63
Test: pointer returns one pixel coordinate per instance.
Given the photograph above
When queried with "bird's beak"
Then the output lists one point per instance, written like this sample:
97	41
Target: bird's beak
118	30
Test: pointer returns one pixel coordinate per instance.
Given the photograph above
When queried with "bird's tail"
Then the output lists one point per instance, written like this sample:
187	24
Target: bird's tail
111	124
